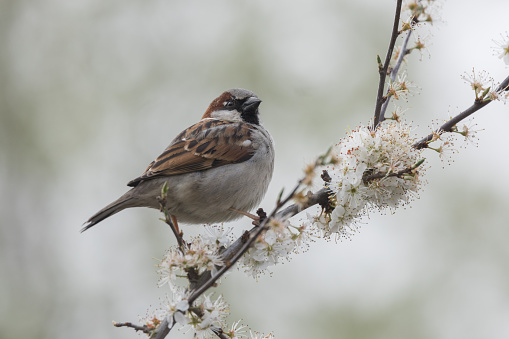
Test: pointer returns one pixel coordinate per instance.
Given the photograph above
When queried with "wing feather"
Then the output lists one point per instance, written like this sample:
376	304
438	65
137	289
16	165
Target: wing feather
208	144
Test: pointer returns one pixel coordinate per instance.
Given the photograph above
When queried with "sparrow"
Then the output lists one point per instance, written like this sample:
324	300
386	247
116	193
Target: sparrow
215	171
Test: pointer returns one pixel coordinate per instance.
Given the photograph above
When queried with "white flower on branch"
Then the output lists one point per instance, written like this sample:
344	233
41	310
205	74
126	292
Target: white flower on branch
236	331
319	222
173	310
303	234
485	87
201	318
276	243
479	82
397	113
421	45
492	92
502	48
256	335
443	143
469	131
206	315
399	87
217	235
423	10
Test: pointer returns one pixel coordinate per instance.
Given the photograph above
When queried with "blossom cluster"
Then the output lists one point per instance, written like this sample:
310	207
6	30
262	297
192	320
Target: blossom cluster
484	86
376	170
280	239
202	318
202	254
205	318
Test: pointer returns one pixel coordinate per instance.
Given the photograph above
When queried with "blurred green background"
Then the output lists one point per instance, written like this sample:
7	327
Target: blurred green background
92	91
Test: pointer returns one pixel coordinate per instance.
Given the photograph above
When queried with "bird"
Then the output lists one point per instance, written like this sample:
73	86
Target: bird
215	170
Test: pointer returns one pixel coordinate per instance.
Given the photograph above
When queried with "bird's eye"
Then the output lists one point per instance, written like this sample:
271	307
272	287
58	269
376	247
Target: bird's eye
229	103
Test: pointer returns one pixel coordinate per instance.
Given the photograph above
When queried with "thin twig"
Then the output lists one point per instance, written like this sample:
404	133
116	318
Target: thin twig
398	174
402	53
447	127
219	332
144	328
383	70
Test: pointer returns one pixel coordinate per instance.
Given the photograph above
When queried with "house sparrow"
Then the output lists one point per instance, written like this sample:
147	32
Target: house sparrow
215	170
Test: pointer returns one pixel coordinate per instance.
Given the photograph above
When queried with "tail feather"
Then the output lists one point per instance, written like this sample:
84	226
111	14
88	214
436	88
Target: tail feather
118	205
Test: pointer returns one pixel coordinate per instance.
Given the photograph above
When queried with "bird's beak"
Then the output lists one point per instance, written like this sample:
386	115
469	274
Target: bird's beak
251	105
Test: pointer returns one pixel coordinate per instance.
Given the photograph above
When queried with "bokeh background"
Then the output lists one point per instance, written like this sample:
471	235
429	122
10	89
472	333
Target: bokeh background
92	91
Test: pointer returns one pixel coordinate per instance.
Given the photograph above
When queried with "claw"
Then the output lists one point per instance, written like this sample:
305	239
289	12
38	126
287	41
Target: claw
256	219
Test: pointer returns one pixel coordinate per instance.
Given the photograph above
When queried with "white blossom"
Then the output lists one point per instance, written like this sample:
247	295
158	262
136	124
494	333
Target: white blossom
304	232
400	86
213	314
217	235
173	311
256	335
236	331
502	48
424	10
479	82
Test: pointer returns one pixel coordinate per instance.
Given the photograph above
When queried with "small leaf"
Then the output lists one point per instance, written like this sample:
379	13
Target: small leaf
379	61
486	91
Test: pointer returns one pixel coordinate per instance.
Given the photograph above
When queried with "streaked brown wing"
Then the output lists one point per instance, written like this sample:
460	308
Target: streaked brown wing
208	144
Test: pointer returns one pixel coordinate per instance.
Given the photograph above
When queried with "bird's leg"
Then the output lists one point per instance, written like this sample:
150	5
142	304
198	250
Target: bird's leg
256	219
178	233
175	224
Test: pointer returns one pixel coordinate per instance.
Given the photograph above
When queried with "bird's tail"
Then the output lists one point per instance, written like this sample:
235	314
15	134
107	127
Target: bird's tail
118	205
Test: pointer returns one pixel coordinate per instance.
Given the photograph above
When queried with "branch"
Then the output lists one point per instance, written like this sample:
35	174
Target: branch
383	70
251	237
504	86
162	330
447	127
